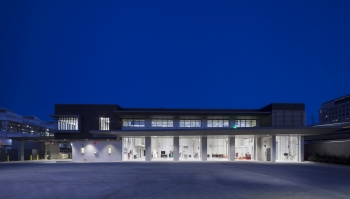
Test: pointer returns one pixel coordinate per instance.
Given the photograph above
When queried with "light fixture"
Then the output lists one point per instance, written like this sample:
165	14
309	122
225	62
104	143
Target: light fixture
109	150
82	150
94	152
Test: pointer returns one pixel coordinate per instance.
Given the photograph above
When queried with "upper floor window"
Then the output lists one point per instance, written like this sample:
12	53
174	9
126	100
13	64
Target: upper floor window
245	123
68	123
190	123
104	123
133	122
162	123
218	123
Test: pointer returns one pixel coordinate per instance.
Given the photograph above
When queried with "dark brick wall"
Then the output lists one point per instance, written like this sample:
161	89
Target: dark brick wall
89	118
331	148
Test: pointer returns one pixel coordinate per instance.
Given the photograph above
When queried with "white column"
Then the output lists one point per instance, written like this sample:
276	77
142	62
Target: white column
232	149
301	148
204	148
148	148
273	149
176	148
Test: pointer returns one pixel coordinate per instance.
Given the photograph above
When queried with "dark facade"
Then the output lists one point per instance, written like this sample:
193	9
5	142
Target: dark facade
273	115
88	118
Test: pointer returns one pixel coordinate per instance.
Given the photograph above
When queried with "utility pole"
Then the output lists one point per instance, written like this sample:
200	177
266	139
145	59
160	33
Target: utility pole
313	118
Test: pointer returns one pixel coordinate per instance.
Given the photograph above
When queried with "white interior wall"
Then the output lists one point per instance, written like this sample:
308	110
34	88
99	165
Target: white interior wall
101	149
264	141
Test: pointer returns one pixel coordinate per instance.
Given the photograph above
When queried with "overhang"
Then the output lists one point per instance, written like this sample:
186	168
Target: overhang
303	131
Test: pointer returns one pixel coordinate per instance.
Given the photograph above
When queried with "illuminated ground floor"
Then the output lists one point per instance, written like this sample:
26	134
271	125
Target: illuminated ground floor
287	148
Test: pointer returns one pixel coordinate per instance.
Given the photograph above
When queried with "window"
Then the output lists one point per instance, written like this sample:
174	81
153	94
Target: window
190	123
3	125
162	123
68	123
218	123
133	122
104	123
245	123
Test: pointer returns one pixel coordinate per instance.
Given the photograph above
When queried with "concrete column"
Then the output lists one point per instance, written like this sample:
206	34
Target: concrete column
204	148
176	148
148	148
273	149
232	149
301	148
255	149
21	150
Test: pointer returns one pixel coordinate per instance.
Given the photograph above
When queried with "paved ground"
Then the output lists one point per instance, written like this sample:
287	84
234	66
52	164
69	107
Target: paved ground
174	180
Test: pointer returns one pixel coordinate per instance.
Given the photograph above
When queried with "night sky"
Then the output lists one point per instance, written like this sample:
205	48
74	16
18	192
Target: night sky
173	54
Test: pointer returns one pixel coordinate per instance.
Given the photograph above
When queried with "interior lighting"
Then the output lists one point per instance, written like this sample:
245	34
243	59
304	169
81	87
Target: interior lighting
82	150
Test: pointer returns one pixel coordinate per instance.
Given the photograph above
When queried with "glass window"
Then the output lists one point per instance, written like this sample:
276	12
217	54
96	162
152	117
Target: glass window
245	123
68	123
218	123
190	123
162	123
104	123
133	122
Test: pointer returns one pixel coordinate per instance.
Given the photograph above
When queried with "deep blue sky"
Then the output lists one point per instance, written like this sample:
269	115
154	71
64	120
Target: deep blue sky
190	54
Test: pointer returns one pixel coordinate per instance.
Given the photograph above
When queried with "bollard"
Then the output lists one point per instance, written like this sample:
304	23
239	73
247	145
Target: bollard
37	157
31	157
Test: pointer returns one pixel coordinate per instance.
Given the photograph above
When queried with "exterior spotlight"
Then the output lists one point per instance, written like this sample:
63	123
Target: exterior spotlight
82	150
109	150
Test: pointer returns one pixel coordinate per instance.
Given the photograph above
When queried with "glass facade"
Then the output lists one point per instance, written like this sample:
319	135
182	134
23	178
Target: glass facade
244	148
245	123
218	123
133	148
68	123
189	148
162	148
162	123
104	123
287	148
2	125
133	123
190	123
217	148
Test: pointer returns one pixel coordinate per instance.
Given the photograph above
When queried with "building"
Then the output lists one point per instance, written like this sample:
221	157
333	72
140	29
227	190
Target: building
333	113
100	133
14	127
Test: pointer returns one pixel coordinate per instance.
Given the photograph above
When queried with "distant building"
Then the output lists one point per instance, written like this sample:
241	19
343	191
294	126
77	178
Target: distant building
335	111
16	127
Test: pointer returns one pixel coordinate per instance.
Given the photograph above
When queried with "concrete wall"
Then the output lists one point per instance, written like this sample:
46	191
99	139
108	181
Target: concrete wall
101	149
54	149
330	148
261	149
